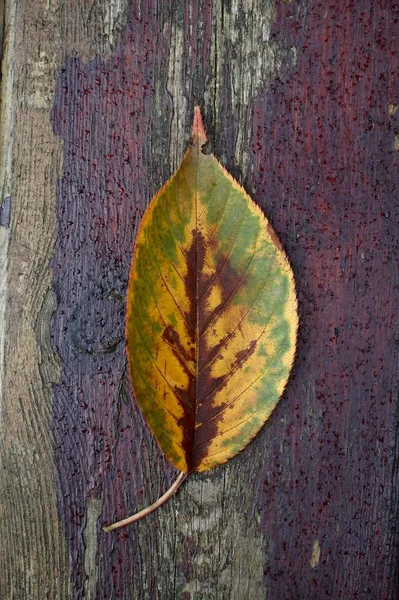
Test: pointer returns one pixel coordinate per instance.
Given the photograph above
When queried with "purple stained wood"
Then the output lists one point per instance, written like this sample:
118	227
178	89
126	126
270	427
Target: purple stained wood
325	171
102	112
324	161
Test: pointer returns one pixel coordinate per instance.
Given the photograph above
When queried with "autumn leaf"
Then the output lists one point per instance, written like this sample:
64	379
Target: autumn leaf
211	315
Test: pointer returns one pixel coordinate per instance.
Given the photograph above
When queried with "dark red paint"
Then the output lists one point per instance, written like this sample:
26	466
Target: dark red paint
326	171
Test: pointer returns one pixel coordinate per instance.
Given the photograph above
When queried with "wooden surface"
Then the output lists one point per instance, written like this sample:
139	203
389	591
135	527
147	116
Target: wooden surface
301	103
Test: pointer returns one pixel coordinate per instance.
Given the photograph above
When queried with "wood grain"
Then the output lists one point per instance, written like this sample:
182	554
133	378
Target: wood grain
300	101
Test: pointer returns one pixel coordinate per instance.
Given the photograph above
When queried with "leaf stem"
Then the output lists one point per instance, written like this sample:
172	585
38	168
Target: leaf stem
146	511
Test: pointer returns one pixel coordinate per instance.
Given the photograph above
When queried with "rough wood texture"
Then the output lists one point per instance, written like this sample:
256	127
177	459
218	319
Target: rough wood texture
301	103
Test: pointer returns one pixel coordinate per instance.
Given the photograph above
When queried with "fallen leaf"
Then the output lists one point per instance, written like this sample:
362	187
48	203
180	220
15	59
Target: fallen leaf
211	314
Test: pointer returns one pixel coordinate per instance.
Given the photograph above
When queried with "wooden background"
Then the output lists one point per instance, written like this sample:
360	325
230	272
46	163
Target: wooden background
300	100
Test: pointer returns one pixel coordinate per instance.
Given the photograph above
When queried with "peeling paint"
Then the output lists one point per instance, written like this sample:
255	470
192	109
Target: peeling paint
175	87
246	57
315	558
93	512
209	555
41	80
115	15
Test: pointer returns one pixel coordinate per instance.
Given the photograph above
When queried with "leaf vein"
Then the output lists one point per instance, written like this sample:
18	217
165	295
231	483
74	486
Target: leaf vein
234	399
189	325
178	398
229	336
216	275
232	293
235	368
161	404
173	348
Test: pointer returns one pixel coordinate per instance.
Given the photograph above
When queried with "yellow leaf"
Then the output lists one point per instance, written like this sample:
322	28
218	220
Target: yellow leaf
211	315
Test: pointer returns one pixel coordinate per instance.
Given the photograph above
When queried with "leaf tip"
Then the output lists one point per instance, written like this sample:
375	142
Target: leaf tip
198	132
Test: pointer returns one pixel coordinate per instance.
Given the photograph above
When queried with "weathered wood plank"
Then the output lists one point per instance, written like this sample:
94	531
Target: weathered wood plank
301	103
